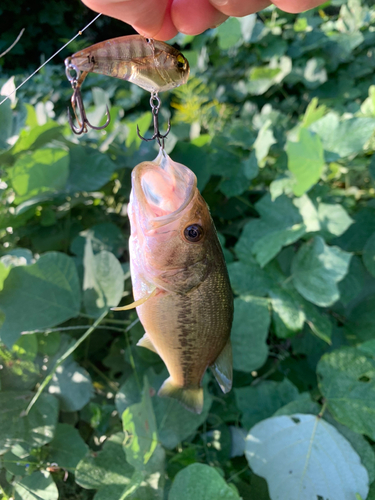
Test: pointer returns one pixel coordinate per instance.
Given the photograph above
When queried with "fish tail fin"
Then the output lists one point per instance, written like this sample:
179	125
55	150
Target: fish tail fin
190	397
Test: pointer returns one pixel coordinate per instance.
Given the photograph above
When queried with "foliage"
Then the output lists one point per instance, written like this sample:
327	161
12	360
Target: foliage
278	122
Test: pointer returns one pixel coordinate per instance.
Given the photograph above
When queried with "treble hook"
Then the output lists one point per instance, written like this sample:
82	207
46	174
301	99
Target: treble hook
155	116
77	102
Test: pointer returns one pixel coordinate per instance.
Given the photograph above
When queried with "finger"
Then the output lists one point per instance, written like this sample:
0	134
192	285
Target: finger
295	6
240	8
195	16
142	14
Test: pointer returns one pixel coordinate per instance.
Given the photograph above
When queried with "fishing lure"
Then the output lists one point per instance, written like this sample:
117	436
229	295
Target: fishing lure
152	65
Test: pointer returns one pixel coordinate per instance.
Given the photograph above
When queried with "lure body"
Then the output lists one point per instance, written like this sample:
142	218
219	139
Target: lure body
179	273
153	65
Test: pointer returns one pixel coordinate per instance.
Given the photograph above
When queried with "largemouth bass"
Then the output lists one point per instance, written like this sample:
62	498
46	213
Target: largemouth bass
155	66
180	281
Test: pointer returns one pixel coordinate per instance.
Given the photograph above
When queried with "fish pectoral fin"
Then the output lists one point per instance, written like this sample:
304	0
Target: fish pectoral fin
190	397
145	341
222	368
137	303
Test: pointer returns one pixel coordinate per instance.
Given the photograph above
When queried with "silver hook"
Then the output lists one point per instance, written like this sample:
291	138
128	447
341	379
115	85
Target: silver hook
155	107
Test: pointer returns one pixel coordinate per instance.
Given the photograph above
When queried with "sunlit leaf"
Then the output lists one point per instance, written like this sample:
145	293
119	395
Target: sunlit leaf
303	457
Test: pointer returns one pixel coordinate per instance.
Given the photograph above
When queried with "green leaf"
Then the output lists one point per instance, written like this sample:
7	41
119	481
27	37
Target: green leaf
229	33
67	447
128	394
30	431
286	304
317	268
263	142
6	124
260	401
89	169
263	77
345	137
72	385
38	486
174	423
104	236
201	482
39	296
280	224
249	333
351	286
249	279
103	282
44	171
140	426
108	470
313	113
305	161
369	254
347	382
297	454
355	238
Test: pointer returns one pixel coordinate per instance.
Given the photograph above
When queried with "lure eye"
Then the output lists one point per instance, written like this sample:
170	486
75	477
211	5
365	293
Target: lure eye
193	233
181	62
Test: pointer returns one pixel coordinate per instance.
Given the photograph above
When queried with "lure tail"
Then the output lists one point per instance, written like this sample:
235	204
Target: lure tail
190	397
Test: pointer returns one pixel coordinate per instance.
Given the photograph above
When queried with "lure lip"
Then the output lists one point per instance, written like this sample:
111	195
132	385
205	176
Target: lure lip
150	221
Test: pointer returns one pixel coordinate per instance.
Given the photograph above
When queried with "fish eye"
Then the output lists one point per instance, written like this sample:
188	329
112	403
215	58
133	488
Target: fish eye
193	233
181	62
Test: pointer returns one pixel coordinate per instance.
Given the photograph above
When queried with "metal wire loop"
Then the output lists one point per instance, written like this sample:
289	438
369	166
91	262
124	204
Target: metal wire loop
155	107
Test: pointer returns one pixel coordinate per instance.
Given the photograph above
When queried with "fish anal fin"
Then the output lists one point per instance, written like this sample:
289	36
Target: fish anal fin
190	397
145	341
137	303
222	368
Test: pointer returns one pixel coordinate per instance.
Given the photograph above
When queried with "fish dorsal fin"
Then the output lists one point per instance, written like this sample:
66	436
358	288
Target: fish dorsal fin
222	368
145	341
190	397
137	303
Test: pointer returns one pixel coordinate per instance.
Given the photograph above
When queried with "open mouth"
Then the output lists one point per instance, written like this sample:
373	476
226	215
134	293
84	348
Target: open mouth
163	187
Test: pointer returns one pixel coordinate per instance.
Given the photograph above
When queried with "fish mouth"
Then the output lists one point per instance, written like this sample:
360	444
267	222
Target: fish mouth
163	189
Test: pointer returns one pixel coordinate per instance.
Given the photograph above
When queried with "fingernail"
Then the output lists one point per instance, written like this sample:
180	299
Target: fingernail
218	3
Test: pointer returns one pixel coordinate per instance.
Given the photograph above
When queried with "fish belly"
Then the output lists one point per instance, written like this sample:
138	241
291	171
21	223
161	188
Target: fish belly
189	330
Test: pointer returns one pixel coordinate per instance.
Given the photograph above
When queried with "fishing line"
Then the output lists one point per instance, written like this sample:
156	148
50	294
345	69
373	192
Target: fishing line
50	59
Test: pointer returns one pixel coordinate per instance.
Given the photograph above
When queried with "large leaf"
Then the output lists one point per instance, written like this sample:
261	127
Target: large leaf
345	137
38	486
103	282
249	333
89	169
201	482
105	236
316	270
26	431
280	224
262	400
140	427
174	422
67	447
44	171
347	382
39	296
369	254
305	161
72	385
303	457
107	470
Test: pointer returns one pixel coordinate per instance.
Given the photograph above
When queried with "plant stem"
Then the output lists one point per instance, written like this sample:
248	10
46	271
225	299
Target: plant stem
61	359
67	328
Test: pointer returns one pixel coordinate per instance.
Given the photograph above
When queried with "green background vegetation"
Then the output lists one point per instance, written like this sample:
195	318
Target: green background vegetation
277	121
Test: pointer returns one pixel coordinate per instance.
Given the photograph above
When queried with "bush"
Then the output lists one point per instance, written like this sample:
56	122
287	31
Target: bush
277	121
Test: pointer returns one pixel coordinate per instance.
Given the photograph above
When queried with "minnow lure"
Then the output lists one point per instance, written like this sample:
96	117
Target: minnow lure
152	65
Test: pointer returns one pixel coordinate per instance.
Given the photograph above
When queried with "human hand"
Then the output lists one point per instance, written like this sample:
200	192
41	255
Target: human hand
163	19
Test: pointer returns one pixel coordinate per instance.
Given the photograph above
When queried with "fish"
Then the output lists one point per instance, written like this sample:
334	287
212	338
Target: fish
180	281
152	65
